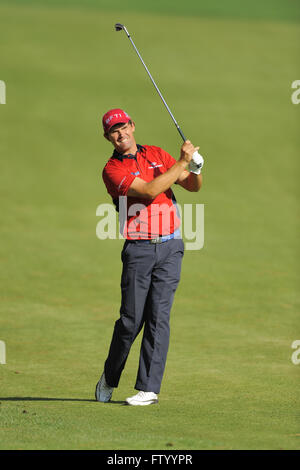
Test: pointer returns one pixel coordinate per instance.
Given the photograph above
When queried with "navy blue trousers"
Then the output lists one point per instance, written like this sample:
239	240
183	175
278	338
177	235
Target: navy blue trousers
150	276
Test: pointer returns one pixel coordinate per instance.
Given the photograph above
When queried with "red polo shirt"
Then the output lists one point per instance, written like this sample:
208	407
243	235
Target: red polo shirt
143	218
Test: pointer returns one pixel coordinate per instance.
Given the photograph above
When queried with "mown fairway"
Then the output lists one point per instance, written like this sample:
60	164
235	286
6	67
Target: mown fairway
226	74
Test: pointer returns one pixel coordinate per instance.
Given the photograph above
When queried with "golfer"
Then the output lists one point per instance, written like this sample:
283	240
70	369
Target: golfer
141	176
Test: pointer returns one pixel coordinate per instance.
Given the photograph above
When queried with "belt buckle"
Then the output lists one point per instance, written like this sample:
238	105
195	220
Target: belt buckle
156	240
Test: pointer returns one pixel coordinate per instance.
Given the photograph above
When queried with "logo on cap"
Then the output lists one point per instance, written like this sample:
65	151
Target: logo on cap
113	117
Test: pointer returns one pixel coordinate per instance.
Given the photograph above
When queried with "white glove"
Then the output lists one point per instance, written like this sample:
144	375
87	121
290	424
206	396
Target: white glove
196	163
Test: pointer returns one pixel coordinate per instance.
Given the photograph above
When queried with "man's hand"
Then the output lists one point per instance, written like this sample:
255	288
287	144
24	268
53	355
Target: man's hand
187	151
196	163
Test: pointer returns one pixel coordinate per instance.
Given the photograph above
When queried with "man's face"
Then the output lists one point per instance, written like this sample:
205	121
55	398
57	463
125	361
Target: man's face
122	138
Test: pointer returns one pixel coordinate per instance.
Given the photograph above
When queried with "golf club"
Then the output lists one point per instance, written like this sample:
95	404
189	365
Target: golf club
119	27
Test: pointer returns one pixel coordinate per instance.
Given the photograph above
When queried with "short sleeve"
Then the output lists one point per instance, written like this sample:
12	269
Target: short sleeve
167	159
117	181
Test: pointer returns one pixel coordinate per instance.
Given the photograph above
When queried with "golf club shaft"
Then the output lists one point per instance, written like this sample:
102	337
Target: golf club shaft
156	87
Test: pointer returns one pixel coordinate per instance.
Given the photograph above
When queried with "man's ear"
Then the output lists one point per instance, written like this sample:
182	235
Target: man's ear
106	136
133	125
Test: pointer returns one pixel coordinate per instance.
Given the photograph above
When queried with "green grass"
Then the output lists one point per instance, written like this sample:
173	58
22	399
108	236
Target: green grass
282	10
229	381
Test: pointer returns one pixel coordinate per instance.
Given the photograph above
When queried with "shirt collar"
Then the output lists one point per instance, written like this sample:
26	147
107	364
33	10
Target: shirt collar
121	157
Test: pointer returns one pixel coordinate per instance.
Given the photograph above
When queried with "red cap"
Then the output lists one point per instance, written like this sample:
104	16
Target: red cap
113	117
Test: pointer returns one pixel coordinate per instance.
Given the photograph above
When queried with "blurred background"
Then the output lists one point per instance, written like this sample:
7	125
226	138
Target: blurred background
226	71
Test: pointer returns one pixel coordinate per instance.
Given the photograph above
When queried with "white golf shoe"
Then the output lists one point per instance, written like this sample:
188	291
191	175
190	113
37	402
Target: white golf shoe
103	391
142	399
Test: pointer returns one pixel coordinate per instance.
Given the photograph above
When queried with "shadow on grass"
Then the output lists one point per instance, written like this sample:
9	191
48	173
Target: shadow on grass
112	402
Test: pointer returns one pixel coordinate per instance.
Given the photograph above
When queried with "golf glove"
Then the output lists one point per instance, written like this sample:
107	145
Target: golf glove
196	163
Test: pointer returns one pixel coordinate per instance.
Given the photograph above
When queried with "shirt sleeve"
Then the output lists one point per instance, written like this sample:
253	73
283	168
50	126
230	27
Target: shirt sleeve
117	181
167	159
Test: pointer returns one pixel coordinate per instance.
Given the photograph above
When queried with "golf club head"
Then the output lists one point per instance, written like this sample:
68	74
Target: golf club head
119	26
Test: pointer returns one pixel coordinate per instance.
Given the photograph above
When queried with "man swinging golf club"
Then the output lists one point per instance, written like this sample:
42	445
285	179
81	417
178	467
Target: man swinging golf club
153	249
152	252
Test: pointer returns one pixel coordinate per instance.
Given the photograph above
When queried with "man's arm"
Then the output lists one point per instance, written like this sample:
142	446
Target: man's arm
160	184
190	181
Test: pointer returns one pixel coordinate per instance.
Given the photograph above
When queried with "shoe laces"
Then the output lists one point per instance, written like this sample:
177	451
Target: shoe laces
141	394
